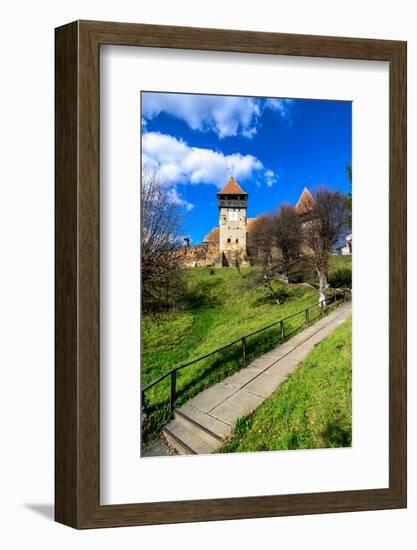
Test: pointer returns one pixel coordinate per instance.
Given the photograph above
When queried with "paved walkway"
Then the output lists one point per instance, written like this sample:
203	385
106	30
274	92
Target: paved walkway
158	447
202	424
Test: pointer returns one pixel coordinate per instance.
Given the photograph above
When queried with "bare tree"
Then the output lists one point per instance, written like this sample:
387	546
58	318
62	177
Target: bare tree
323	230
260	240
237	263
160	242
287	238
265	279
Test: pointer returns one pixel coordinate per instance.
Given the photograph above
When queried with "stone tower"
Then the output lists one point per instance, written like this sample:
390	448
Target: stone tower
233	203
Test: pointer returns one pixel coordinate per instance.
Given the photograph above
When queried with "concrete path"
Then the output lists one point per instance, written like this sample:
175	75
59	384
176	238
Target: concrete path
202	424
158	447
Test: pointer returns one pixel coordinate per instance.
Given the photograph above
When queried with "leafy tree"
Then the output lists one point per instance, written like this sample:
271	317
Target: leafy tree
349	173
349	195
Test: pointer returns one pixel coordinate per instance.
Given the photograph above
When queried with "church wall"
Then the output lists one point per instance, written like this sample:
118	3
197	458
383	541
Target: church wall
203	255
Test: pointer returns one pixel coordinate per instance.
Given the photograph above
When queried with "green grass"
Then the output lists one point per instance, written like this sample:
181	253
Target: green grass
336	263
312	409
221	306
339	262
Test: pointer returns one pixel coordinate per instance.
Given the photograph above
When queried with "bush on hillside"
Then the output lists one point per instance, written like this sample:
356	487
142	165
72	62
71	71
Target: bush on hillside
341	278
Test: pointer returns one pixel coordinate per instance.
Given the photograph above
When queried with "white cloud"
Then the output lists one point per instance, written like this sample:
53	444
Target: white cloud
175	198
280	106
225	115
270	178
178	163
250	133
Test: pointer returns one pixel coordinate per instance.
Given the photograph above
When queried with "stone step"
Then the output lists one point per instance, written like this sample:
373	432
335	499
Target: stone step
187	438
212	426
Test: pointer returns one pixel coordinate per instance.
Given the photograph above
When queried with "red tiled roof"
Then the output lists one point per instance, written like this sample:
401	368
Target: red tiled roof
306	202
213	236
232	188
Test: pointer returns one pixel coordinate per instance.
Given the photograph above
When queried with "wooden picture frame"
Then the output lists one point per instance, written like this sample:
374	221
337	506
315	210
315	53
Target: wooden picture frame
77	406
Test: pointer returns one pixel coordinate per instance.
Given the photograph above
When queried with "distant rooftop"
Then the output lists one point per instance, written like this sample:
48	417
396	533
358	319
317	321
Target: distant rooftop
306	202
232	188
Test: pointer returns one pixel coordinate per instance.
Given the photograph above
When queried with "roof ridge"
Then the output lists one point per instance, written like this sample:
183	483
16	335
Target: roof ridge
232	187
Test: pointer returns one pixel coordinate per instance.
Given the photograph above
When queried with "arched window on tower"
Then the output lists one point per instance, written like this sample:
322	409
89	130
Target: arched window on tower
237	240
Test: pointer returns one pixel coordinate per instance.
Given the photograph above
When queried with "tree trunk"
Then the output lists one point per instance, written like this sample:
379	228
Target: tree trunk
322	289
284	278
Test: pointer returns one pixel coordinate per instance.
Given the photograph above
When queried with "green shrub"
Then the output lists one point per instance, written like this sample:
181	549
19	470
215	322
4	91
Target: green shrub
341	278
296	278
243	425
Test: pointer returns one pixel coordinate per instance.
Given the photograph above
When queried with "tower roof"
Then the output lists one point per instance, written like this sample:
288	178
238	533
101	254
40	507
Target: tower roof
306	202
213	236
232	188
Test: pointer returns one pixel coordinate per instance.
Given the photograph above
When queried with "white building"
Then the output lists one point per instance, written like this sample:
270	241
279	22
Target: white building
345	249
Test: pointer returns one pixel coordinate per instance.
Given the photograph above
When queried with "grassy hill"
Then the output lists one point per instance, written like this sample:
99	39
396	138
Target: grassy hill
220	305
339	262
312	409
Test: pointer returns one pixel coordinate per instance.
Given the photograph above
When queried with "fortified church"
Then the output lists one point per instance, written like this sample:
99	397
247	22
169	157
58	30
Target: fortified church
227	243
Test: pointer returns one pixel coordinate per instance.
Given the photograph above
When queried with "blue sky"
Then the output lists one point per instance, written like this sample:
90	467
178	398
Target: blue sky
273	147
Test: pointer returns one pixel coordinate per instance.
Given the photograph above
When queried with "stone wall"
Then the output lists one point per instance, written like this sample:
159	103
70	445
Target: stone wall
209	255
201	255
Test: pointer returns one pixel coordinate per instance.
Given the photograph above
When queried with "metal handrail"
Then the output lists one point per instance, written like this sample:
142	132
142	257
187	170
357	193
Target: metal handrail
173	372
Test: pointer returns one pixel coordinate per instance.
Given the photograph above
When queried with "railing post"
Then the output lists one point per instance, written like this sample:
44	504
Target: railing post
173	389
282	328
307	317
143	403
244	350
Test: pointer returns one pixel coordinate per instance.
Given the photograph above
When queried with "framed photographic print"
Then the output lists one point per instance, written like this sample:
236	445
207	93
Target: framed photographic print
230	274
